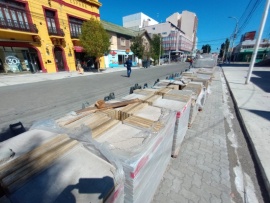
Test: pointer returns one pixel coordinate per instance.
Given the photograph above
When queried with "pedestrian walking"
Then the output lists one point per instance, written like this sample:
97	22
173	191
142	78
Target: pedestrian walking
191	63
128	64
79	68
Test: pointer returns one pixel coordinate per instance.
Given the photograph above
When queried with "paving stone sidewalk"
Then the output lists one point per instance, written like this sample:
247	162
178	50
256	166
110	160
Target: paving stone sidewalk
201	171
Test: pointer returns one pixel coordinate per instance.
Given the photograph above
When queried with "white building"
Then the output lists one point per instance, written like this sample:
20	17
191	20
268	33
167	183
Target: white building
187	22
178	32
137	21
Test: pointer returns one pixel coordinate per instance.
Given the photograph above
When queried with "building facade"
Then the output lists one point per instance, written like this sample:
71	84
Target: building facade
243	51
121	40
188	23
43	36
174	40
178	32
137	21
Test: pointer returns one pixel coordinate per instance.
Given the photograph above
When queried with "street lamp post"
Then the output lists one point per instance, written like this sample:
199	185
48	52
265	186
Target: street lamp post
233	36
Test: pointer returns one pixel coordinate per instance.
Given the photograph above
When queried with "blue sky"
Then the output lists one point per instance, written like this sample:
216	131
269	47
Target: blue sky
214	26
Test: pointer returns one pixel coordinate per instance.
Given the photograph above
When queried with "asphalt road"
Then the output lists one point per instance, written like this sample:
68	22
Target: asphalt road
32	102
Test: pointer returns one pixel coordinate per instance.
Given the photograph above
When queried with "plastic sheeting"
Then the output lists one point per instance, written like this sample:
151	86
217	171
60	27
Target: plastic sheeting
144	154
71	177
205	61
182	118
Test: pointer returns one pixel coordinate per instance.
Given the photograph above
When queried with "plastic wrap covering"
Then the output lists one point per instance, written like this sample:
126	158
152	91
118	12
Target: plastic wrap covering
53	167
144	152
204	61
169	84
182	117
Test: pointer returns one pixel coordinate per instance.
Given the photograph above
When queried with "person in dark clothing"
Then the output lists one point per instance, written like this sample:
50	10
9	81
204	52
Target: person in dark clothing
128	64
191	63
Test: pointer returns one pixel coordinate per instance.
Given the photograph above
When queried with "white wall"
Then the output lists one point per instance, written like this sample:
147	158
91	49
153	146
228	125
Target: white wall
137	20
187	23
174	18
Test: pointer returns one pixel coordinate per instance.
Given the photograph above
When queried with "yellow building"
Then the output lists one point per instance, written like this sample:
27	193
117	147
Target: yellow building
43	36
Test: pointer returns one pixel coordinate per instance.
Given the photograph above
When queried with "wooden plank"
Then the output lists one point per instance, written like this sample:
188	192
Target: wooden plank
101	104
104	127
15	164
13	181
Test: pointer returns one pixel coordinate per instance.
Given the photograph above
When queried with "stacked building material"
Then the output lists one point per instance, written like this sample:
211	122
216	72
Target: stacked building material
205	61
206	73
182	117
144	98
144	153
131	109
48	167
144	91
98	122
172	84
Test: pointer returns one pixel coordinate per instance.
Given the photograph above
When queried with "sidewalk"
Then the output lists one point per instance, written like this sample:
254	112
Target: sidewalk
201	172
253	102
6	80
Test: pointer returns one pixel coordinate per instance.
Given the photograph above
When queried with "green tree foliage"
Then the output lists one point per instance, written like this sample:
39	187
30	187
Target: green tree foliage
137	46
156	47
224	48
94	39
206	48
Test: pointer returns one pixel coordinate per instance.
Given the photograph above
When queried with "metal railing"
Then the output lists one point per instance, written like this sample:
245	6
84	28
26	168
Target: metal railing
18	25
56	31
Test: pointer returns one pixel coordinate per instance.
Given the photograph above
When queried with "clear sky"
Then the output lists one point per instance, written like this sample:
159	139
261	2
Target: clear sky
214	26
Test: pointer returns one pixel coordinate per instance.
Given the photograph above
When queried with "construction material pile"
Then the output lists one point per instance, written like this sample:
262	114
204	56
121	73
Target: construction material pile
205	61
52	167
122	155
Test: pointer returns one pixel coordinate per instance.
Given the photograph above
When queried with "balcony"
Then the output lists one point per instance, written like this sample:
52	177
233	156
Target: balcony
56	32
18	25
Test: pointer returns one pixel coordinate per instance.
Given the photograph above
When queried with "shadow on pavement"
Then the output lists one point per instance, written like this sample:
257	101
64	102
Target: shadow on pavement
263	114
262	80
234	64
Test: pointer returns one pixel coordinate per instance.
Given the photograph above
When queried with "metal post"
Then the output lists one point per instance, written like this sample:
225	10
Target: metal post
234	36
251	65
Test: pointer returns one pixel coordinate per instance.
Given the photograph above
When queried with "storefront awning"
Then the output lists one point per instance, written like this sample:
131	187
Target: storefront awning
78	49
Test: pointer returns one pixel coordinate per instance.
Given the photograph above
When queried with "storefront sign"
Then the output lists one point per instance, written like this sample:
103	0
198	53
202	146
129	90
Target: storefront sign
12	60
13	63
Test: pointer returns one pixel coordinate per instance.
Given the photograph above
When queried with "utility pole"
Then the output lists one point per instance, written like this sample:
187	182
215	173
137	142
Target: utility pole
233	36
265	14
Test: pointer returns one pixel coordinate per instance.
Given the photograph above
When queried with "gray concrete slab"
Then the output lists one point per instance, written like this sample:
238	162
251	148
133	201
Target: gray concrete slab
253	102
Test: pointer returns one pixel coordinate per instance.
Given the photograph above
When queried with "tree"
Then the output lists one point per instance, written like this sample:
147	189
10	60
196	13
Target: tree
156	48
224	49
137	46
94	39
206	48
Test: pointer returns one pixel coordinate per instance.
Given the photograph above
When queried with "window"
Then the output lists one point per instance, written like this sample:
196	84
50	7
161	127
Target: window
153	28
122	41
50	19
75	27
13	15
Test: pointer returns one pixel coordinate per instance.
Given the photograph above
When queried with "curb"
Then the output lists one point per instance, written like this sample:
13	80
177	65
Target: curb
258	166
